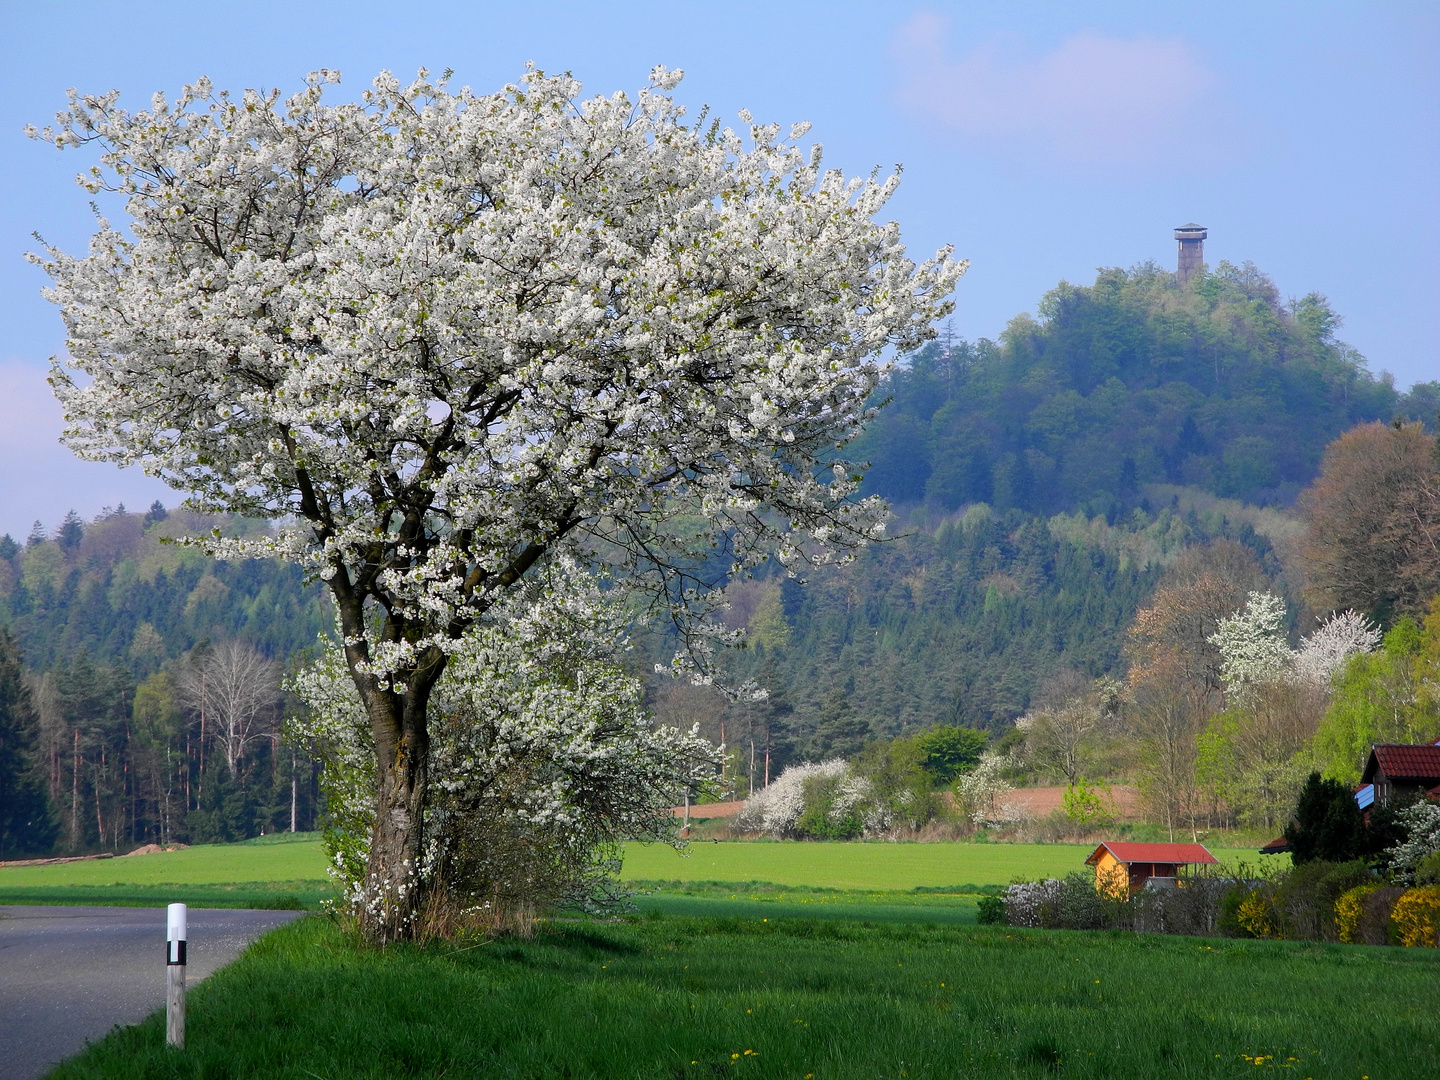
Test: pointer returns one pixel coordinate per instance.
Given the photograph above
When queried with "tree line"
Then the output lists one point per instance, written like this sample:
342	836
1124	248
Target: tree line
140	690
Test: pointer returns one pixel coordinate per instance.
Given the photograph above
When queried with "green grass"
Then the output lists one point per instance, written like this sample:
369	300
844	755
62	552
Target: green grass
686	999
263	872
868	865
853	866
210	864
764	901
278	871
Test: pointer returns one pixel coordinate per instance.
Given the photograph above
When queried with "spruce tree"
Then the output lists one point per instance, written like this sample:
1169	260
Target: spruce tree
1327	826
25	824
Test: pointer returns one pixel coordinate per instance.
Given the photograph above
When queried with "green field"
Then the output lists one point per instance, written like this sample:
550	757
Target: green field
286	871
689	999
866	865
273	872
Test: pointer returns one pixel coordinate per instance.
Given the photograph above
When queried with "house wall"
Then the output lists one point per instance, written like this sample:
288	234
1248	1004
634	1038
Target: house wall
1112	877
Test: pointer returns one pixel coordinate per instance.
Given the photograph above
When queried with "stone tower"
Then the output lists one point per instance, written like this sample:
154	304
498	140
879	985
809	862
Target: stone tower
1192	250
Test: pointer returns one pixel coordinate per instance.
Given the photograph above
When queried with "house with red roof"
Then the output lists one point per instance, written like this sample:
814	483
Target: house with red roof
1122	868
1399	770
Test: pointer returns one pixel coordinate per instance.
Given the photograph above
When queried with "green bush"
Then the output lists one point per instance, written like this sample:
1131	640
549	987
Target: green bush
990	911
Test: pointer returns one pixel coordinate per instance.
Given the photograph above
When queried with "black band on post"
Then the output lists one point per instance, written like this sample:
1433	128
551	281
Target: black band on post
175	953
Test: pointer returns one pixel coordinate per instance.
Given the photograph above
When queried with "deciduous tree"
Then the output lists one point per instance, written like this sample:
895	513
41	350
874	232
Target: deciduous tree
453	335
1373	517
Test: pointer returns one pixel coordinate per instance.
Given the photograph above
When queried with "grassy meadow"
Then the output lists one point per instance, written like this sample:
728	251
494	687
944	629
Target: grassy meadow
853	865
279	871
686	998
289	871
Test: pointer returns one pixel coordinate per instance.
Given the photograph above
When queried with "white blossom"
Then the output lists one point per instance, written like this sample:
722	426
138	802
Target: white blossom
982	791
1252	643
1421	823
1253	649
537	730
776	809
1341	636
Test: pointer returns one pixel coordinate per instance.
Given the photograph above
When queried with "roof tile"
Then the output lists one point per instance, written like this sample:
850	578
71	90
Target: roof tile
1408	762
1128	852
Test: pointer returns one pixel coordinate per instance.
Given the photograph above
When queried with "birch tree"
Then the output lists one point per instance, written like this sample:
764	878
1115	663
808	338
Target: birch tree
452	336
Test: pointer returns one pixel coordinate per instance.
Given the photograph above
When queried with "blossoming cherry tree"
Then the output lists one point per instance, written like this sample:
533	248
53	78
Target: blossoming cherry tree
449	336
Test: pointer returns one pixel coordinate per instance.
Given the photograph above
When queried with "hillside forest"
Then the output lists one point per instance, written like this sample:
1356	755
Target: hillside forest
1080	504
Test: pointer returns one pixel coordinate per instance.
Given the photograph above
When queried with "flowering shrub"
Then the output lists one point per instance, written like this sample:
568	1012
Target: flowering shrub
1068	903
1416	917
1349	910
543	760
1028	902
1256	915
981	792
778	808
1421	826
837	800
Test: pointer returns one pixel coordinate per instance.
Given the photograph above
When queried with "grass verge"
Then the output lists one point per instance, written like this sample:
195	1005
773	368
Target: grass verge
684	999
271	895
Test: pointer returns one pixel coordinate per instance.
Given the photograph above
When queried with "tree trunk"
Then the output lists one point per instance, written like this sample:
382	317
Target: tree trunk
395	884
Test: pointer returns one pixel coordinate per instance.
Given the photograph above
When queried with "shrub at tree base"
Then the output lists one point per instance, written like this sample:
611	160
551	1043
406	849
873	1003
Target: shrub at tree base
1416	917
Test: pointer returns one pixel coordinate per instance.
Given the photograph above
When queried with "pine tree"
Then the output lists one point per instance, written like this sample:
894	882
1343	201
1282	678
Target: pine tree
25	823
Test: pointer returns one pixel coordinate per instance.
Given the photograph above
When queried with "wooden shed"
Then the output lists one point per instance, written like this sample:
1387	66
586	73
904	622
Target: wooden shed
1123	869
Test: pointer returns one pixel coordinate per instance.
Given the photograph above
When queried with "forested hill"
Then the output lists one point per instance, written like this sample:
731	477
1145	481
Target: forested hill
114	591
1133	380
1094	437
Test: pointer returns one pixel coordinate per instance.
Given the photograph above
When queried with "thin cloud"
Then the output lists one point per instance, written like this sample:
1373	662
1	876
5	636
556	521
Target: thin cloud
1093	100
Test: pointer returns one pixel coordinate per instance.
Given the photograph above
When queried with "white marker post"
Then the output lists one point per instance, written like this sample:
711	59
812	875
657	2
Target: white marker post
175	975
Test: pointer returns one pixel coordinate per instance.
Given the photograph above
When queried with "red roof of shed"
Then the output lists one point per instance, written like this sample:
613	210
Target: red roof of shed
1399	761
1153	853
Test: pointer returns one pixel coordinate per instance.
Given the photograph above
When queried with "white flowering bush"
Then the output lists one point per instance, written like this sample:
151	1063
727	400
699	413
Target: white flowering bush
835	800
982	792
1421	823
543	760
1027	903
777	809
447	337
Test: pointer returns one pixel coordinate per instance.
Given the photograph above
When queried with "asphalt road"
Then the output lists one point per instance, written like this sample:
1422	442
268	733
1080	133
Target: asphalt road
70	974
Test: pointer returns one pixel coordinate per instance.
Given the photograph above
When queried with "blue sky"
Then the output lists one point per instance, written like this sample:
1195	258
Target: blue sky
1042	139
